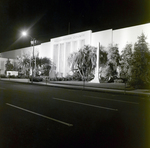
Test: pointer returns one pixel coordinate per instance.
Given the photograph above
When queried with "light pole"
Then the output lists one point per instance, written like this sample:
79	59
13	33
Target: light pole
33	42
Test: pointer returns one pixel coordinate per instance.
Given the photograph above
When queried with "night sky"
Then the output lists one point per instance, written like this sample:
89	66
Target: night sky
46	19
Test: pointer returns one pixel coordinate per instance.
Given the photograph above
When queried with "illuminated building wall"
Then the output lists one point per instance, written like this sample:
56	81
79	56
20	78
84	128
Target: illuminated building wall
63	46
58	49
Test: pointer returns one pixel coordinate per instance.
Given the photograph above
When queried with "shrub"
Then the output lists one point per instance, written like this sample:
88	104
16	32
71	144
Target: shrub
126	61
140	77
3	76
109	68
13	76
76	76
118	81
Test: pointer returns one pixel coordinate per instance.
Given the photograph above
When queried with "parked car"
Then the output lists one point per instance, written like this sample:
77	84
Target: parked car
36	79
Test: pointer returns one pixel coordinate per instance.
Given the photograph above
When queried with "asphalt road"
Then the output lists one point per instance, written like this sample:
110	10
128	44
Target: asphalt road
33	116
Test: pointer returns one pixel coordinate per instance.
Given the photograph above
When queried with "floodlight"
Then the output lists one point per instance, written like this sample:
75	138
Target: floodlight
24	33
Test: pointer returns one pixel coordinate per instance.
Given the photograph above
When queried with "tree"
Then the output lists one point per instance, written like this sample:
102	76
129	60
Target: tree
102	56
103	59
9	66
83	61
45	64
15	68
24	63
46	69
110	68
140	63
113	57
126	61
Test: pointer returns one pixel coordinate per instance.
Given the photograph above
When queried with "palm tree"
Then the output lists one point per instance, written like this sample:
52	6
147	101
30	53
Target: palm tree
83	61
24	63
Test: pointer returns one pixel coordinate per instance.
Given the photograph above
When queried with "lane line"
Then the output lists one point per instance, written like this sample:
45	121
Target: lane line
113	100
65	123
102	107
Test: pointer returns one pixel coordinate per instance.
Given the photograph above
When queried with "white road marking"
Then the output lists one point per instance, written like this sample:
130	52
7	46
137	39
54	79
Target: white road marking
113	100
102	107
68	124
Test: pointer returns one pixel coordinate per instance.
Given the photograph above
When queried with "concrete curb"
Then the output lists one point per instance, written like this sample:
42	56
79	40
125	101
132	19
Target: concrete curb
80	87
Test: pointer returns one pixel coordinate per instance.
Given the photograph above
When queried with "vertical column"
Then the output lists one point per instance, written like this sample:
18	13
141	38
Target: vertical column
78	45
51	51
58	65
96	78
75	46
61	59
82	42
68	46
64	70
71	47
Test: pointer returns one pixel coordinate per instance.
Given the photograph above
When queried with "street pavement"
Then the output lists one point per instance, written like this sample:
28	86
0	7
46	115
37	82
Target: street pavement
104	87
43	116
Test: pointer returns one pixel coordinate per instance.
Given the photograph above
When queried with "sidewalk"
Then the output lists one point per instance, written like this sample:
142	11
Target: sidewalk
104	87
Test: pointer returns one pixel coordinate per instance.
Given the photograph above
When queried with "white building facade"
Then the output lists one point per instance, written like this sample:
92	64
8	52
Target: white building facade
58	49
62	47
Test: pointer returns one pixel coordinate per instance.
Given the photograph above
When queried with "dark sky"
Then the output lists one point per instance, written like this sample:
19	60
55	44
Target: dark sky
45	19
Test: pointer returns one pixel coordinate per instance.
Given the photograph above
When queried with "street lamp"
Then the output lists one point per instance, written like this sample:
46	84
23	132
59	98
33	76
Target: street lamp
24	33
33	42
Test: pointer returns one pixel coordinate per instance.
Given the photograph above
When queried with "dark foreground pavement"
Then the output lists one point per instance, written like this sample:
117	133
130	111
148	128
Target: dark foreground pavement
40	116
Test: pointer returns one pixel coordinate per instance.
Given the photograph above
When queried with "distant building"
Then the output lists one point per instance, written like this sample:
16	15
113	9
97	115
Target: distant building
58	49
2	64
